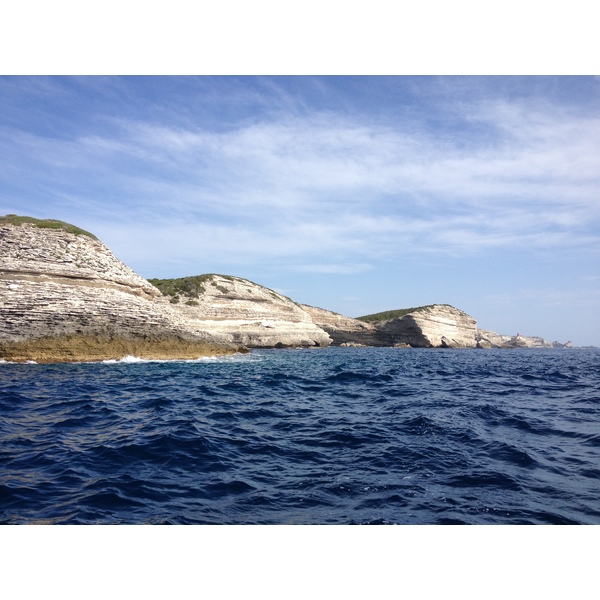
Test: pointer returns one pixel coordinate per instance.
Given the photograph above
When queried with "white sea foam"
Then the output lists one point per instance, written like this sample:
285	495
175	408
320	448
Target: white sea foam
11	362
238	357
128	360
201	359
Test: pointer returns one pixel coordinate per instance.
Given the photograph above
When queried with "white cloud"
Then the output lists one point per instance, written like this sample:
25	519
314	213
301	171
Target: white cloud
345	190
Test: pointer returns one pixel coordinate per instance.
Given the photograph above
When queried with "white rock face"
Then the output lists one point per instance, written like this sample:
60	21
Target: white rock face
491	339
30	253
250	314
66	297
437	326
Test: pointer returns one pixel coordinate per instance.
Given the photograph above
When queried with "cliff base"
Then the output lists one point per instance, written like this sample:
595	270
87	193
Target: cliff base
82	348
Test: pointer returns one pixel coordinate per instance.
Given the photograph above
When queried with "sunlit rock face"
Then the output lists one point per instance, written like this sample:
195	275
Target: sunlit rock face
437	326
491	339
65	297
246	313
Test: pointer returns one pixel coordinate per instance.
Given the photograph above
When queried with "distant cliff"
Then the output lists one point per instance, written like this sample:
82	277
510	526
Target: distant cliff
65	297
435	326
491	339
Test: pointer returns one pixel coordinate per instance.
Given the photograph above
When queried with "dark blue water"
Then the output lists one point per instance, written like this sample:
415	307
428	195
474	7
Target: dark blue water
338	435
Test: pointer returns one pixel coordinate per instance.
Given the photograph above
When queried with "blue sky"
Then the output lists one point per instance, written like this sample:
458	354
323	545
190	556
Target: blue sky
355	194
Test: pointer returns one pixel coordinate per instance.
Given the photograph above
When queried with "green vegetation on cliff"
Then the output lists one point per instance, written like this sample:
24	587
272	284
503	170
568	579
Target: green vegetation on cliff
191	287
391	314
46	224
396	314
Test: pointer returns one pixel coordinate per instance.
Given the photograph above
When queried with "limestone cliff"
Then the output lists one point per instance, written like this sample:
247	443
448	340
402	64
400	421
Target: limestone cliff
65	297
243	311
344	330
435	326
491	339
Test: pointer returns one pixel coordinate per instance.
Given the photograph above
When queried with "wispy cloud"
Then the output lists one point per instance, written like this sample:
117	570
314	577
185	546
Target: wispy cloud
325	185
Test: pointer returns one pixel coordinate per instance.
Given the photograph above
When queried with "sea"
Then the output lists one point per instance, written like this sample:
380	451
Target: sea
344	436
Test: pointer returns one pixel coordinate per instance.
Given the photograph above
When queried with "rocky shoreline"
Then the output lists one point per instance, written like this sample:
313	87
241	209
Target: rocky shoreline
64	297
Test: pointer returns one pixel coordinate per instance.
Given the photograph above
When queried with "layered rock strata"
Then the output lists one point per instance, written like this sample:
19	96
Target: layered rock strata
345	331
247	313
65	297
436	326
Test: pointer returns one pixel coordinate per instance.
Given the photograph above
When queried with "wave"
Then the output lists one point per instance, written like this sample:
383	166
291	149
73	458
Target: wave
132	360
8	362
331	436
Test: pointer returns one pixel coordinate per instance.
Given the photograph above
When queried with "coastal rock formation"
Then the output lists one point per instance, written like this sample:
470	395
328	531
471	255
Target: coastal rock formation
435	326
65	297
344	331
244	312
491	339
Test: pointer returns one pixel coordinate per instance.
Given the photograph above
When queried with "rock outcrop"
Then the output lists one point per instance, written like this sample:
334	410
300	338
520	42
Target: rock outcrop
65	297
435	326
344	331
491	339
244	312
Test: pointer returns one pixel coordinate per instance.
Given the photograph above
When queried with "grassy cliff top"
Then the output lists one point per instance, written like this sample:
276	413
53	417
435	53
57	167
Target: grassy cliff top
46	224
191	287
394	314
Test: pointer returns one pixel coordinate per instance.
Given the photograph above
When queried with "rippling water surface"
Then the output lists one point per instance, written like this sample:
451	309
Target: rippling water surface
337	435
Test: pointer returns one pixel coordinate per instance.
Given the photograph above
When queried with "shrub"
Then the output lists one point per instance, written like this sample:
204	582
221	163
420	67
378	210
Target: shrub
46	224
391	314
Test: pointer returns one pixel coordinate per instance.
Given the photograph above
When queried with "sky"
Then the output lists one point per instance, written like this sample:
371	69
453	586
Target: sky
357	194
